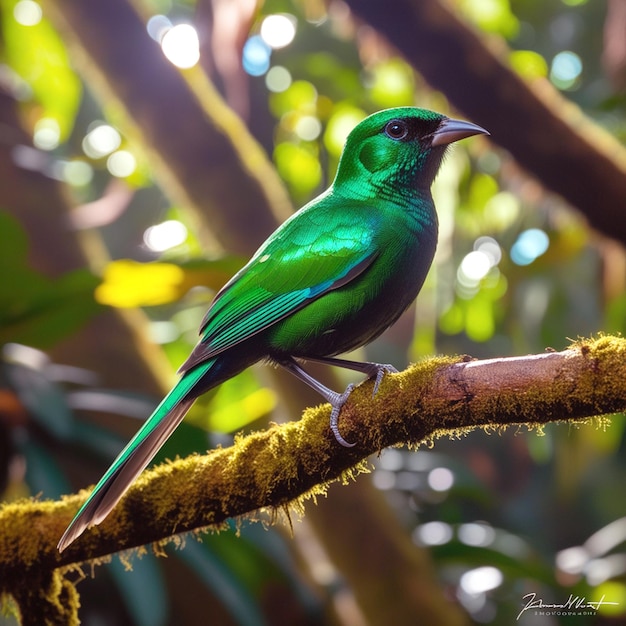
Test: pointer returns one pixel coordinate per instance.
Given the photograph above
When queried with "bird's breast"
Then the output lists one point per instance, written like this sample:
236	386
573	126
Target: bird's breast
351	316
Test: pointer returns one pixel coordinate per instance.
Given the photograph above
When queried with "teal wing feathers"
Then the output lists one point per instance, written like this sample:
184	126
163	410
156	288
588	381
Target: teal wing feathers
280	280
324	254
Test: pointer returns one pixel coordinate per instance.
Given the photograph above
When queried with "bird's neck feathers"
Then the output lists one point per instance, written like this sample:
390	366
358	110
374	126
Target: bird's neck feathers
375	172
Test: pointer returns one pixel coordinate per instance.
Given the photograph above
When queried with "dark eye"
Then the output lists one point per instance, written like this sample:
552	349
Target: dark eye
397	130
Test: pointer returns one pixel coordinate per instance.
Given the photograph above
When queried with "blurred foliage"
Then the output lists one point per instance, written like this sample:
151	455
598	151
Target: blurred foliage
37	54
128	283
35	309
526	508
46	407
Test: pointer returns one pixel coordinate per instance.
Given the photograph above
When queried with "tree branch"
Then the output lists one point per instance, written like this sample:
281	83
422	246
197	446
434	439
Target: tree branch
279	467
201	151
547	134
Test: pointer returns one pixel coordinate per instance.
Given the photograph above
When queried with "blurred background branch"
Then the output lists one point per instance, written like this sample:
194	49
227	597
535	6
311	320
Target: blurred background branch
547	135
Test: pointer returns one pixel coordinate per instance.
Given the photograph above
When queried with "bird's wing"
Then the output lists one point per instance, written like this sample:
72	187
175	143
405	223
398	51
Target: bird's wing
301	262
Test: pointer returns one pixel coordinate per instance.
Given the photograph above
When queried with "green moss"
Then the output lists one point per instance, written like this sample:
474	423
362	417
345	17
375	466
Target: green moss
277	469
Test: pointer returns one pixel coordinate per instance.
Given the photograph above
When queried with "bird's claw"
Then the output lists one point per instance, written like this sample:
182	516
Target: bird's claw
337	405
378	371
381	370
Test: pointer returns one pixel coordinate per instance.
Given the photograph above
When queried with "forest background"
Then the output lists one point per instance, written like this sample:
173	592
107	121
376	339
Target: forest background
139	168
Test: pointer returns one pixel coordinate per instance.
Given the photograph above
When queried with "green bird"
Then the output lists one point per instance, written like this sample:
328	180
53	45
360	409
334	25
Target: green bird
330	279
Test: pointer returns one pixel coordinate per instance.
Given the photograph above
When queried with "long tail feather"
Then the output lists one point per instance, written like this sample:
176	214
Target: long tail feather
134	458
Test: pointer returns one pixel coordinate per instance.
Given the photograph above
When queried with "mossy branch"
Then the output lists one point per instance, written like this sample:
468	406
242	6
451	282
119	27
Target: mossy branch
280	466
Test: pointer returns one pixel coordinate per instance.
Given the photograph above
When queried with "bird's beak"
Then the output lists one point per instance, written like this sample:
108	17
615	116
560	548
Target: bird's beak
453	130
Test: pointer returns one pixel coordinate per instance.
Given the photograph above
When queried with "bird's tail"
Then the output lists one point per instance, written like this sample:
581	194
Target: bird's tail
139	451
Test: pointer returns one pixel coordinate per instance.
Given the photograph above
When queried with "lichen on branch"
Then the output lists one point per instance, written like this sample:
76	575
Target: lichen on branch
280	466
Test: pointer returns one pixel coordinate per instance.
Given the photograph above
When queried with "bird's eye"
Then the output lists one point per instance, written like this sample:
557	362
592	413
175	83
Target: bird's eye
397	130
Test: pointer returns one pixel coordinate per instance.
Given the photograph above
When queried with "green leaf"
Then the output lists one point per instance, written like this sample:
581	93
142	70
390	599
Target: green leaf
393	84
493	16
39	311
301	96
237	403
528	565
479	318
129	283
37	53
36	310
299	166
14	245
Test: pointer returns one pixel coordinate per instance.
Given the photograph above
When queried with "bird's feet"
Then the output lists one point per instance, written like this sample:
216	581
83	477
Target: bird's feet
376	371
337	403
379	370
372	370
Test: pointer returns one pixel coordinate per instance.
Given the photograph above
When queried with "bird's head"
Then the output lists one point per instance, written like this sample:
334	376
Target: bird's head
401	147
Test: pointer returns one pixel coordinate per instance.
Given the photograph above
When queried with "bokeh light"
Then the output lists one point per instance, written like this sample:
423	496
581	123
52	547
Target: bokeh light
300	96
384	480
530	244
474	266
476	534
566	70
256	56
481	579
502	210
279	30
164	236
157	26
490	248
163	332
308	128
181	46
433	534
528	63
440	479
299	166
101	140
121	164
46	134
477	265
339	127
392	84
77	173
391	460
278	79
27	13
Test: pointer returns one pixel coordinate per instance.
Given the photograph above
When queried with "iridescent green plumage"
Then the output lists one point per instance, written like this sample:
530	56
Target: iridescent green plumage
332	278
